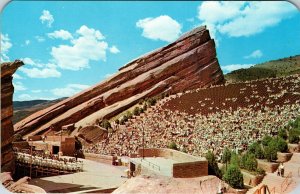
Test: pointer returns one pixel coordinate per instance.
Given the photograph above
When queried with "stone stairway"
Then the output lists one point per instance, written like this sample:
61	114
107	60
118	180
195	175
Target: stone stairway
294	166
274	181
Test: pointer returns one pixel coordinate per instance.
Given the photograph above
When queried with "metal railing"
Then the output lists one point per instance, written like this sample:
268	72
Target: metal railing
151	164
264	189
286	182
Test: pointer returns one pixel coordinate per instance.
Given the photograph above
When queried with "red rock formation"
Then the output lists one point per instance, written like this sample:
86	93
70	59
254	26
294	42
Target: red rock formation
189	62
7	130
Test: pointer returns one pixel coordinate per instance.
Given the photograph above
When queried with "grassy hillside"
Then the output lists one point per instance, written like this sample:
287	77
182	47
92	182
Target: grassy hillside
274	68
22	109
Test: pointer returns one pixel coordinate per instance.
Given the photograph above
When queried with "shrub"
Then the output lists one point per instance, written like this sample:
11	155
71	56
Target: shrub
123	119
260	171
259	153
136	111
128	114
252	147
173	146
141	110
248	162
17	137
243	160
222	171
281	144
234	177
251	163
234	159
213	168
105	124
282	133
270	153
265	141
226	155
145	107
151	101
295	124
141	101
117	121
293	136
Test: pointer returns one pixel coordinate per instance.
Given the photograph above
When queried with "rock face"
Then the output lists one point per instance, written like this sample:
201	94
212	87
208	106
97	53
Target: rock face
189	62
7	130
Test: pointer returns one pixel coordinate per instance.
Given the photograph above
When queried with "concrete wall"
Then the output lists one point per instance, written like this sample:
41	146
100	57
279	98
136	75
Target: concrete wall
267	166
34	138
294	148
21	145
169	153
250	179
190	169
100	158
68	146
284	157
186	165
56	138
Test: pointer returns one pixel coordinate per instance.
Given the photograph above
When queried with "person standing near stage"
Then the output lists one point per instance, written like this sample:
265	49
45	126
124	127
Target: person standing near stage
281	169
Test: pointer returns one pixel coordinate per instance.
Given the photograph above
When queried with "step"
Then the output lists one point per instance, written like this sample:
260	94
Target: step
295	158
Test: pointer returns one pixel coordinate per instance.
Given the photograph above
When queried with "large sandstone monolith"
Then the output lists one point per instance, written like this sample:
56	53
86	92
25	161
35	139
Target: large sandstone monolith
189	62
7	130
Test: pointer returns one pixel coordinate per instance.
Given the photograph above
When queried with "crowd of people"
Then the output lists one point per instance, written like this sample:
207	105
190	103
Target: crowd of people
39	158
258	108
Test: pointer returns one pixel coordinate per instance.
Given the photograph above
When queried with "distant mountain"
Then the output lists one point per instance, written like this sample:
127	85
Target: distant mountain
274	68
23	109
28	104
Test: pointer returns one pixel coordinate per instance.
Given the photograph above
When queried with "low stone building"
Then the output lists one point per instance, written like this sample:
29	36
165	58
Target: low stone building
169	162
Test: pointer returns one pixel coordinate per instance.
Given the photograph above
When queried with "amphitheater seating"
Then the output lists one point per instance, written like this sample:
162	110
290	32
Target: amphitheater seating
45	166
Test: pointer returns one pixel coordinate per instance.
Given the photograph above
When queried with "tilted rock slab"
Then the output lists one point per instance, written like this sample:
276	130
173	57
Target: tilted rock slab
7	130
189	62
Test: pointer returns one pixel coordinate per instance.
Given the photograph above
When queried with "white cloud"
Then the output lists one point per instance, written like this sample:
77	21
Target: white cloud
69	90
160	28
40	38
62	34
36	91
229	68
24	97
88	46
19	86
27	42
255	54
39	70
47	18
17	76
190	20
237	19
114	50
5	46
29	61
45	72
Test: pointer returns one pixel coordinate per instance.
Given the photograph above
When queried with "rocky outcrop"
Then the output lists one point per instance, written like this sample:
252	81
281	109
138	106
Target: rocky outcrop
189	62
7	130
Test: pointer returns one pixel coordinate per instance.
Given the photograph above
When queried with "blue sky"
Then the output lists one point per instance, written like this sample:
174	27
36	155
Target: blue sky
69	46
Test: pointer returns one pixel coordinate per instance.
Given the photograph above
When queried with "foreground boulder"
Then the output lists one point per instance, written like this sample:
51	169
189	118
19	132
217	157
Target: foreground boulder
7	130
189	62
